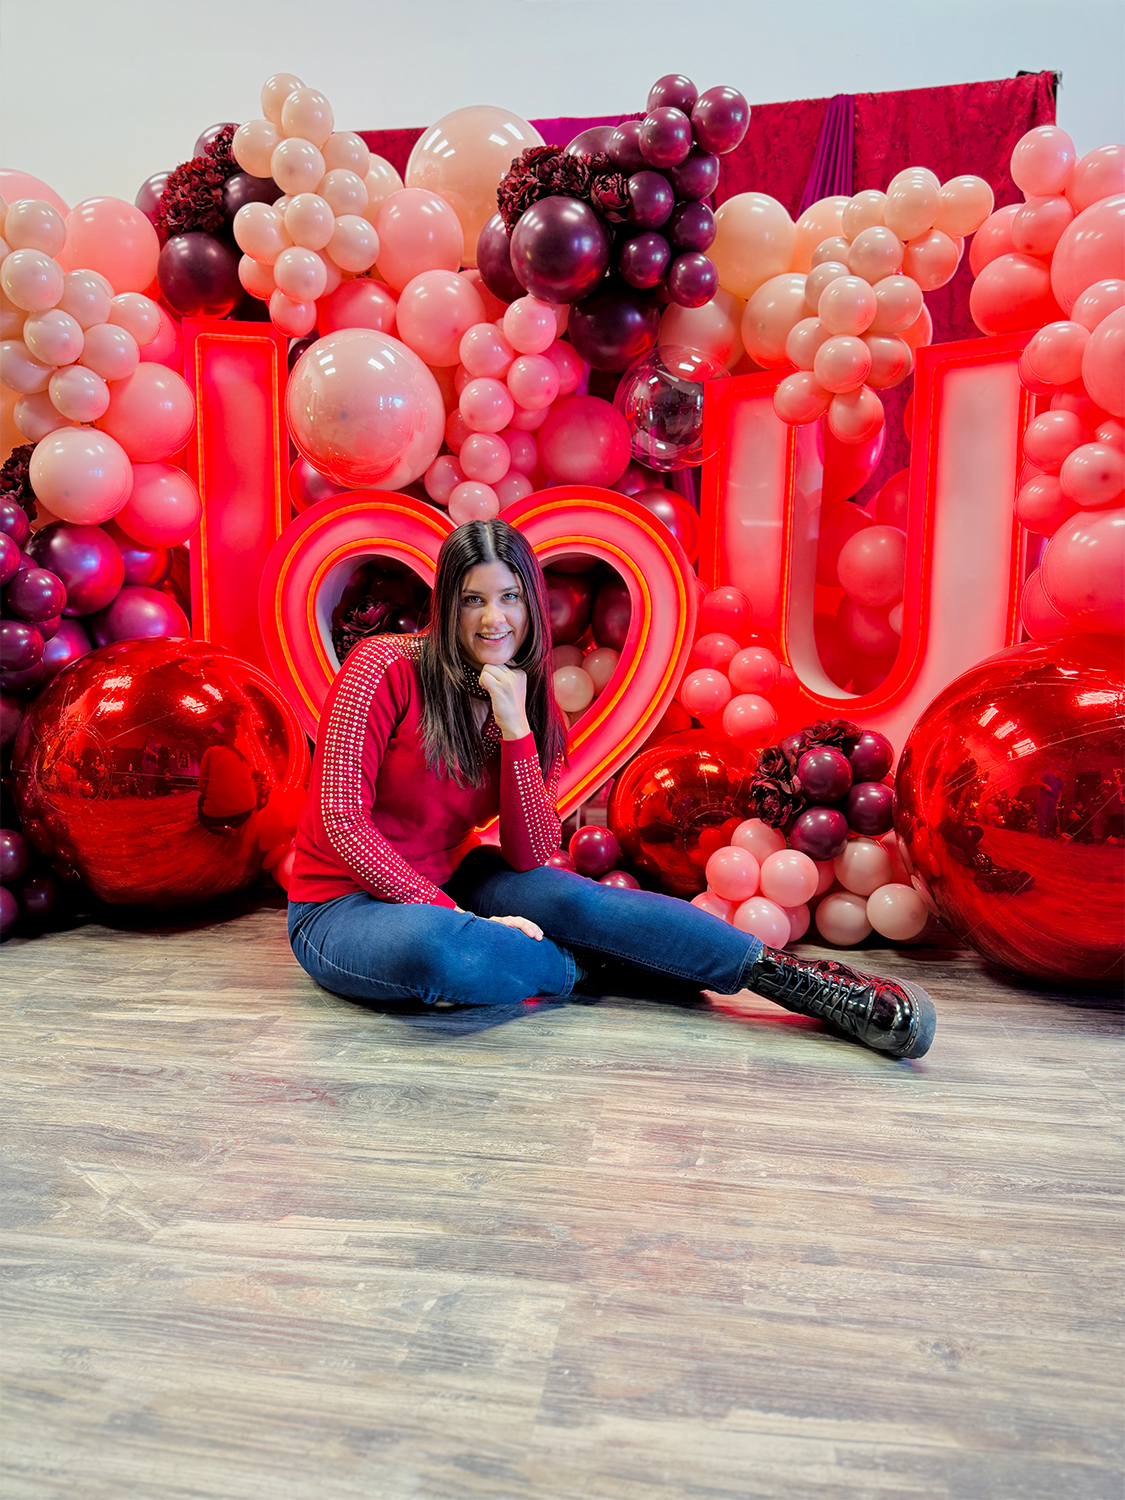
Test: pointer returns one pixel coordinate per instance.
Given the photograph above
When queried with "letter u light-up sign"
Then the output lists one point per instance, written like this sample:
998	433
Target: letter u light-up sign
966	557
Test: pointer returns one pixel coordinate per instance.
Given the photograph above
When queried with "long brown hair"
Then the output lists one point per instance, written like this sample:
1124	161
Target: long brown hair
453	742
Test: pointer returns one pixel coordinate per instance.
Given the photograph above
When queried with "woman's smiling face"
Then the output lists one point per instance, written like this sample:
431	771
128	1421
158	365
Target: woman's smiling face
493	621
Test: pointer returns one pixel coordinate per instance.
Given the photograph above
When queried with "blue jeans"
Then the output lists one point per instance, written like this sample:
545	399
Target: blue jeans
627	942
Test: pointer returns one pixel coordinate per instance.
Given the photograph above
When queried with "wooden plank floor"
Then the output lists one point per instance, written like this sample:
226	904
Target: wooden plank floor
261	1242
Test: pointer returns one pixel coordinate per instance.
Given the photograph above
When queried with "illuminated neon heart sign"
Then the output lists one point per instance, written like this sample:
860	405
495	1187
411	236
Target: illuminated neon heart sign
315	555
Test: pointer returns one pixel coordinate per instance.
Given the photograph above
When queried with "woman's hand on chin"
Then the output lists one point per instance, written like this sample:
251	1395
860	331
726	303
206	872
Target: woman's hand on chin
507	687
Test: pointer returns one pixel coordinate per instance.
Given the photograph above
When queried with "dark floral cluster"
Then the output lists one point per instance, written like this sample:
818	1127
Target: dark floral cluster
775	788
368	617
547	172
193	195
219	150
15	477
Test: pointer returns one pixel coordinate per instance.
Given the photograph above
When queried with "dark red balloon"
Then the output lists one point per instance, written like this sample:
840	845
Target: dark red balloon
665	137
651	199
153	770
11	717
674	90
825	773
870	808
691	227
560	249
720	118
38	897
872	756
307	485
48	629
147	565
494	261
612	613
644	259
242	188
620	880
615	326
562	861
86	558
669	805
21	646
198	275
138	613
635	479
10	558
35	594
819	832
680	518
1009	808
14	856
13	521
625	147
697	176
594	850
67	644
569	596
589	142
149	194
692	279
9	911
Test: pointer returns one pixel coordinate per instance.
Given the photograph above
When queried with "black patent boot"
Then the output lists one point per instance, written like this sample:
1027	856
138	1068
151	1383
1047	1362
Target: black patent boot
890	1015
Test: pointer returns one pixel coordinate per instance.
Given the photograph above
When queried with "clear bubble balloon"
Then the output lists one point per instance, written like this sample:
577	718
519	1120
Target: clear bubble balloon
661	398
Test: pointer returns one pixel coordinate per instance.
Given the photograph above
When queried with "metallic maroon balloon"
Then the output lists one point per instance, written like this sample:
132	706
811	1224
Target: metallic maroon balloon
11	717
9	911
665	137
669	804
154	770
149	194
697	176
615	326
674	91
13	521
15	856
691	227
870	808
86	558
562	861
307	485
635	479
10	558
692	280
67	644
243	188
212	133
613	610
819	832
560	249
720	118
569	596
588	142
678	515
35	594
594	850
825	774
198	275
872	756
651	199
38	897
21	645
494	261
620	880
147	565
138	613
625	147
1009	807
48	629
644	259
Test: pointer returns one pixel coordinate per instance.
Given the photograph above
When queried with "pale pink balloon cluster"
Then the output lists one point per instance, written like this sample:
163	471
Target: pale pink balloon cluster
732	671
299	249
90	361
580	677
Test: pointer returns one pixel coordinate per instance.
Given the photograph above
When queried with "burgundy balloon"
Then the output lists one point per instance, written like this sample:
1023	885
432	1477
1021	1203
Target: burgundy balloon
562	861
697	176
651	199
67	645
870	808
38	897
10	557
691	227
13	521
625	147
613	609
872	757
665	138
35	594
615	326
594	850
793	744
138	613
21	645
9	910
147	565
677	514
48	629
588	142
826	774
560	249
569	596
11	717
720	119
242	188
86	558
297	347
15	856
150	193
212	133
692	280
620	880
198	275
307	485
494	261
819	832
674	90
644	259
635	479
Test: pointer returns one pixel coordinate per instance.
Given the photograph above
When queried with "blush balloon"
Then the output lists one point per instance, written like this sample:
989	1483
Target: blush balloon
151	414
584	440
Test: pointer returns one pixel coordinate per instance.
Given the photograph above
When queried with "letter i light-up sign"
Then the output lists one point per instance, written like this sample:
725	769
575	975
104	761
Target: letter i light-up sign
966	552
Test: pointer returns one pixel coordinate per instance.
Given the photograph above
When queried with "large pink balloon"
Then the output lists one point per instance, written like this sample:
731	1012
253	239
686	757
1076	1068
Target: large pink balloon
435	311
872	565
151	414
357	304
81	475
1083	570
1011	293
418	231
164	509
585	441
111	236
1091	248
1100	174
1103	364
771	312
15	185
1040	618
364	410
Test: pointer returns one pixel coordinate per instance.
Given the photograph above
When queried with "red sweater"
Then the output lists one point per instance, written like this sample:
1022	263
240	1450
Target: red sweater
378	820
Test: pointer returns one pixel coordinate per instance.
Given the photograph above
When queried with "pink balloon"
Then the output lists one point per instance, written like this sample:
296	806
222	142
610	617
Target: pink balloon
872	565
1090	249
164	509
801	398
865	629
713	905
485	350
763	919
789	878
1092	476
435	310
1055	353
898	304
1097	302
357	304
523	448
442	478
892	360
1100	174
1043	161
754	670
1040	618
151	414
1039	223
803	340
569	364
53	337
964	204
32	280
1103	364
484	457
600	665
486	405
300	274
800	919
533	380
418	231
856	416
456	431
1041	505
1083	570
573	688
749	720
514	486
875	252
1050	437
79	393
758	839
704	692
15	185
825	875
81	475
470	501
932	259
1011	293
897	912
529	421
113	237
772	311
291	317
863	866
733	874
110	352
530	326
847	305
584	440
993	239
841	919
842	362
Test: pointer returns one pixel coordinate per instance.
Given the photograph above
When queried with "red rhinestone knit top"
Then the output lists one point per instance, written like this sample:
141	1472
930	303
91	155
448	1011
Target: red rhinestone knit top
377	819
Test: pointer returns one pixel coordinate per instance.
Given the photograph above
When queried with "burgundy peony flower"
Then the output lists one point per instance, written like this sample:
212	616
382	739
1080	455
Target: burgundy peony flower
15	477
775	802
518	190
220	153
609	195
192	198
841	734
368	617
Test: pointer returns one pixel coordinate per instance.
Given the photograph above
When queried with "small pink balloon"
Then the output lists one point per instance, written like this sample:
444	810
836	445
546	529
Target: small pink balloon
164	508
114	238
825	876
872	565
261	230
167	348
789	878
31	280
523	448
300	274
841	919
418	231
151	414
21	371
1055	353
867	630
1103	364
78	394
1043	161
1083	570
863	866
1090	249
296	166
346	193
800	919
306	112
486	405
32	224
569	365
1097	302
819	277
993	239
308	219
358	304
876	252
442	478
530	326
35	416
964	204
1039	223
842	362
856	416
469	501
733	874
456	431
294	318
763	919
1041	505
897	912
892	360
15	185
714	905
898	304
749	720
932	259
801	398
758	839
1039	617
847	305
584	440
514	486
110	352
1092	476
913	200
803	340
435	311
485	350
81	475
704	692
600	665
1050	437
754	670
573	688
53	337
254	144
1099	174
1011	293
533	380
484	457
770	315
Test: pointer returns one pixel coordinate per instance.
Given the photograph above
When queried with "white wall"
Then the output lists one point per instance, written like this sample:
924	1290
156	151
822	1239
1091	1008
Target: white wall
98	94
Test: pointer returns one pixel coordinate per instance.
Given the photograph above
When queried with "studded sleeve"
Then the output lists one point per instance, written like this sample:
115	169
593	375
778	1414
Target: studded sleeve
529	819
370	697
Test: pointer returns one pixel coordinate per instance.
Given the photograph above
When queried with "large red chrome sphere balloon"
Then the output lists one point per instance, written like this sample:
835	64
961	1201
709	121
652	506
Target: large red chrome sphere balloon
159	772
1010	807
676	803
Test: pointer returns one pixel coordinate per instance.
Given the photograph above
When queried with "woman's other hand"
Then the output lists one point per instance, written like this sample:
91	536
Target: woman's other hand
521	924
